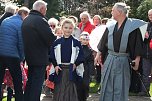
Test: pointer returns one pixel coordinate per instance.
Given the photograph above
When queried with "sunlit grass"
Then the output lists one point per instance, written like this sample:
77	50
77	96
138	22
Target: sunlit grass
150	91
92	84
5	99
94	87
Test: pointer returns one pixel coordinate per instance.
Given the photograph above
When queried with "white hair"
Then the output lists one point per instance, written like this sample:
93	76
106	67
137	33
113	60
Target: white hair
122	7
150	11
85	13
38	5
10	8
53	20
23	10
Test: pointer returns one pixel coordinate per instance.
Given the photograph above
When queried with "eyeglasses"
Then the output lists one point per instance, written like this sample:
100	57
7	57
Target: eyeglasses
53	26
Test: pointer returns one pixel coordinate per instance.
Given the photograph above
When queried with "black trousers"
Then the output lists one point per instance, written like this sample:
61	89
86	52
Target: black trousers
13	64
9	94
98	76
81	91
36	75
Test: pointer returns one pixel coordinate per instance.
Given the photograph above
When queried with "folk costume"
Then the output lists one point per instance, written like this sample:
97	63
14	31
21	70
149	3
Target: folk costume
120	44
64	53
89	69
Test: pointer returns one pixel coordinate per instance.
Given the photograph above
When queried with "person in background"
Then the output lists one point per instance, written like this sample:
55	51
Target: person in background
53	23
37	38
66	54
123	42
104	21
97	20
76	33
48	85
12	51
98	67
147	57
89	69
61	19
58	32
97	23
8	81
9	84
9	11
85	24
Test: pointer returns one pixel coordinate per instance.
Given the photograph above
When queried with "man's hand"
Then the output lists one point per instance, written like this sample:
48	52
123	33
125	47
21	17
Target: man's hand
137	60
146	35
57	68
74	67
97	59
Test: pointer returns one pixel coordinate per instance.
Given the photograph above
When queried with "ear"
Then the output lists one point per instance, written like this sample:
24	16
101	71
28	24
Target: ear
120	12
41	9
22	15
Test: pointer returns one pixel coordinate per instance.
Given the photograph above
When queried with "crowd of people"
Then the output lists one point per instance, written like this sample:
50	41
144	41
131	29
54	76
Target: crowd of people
31	44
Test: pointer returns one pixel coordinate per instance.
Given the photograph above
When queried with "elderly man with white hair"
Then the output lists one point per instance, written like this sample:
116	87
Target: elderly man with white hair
9	11
37	38
118	46
85	24
12	51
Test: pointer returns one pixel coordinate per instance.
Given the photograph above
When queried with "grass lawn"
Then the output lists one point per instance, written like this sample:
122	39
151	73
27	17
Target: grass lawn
150	92
94	87
5	99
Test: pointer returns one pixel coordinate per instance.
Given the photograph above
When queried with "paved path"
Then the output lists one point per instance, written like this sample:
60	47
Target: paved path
95	97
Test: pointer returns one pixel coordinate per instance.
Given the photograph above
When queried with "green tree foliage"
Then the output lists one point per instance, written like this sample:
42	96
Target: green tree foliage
1	8
57	8
143	9
53	8
133	7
